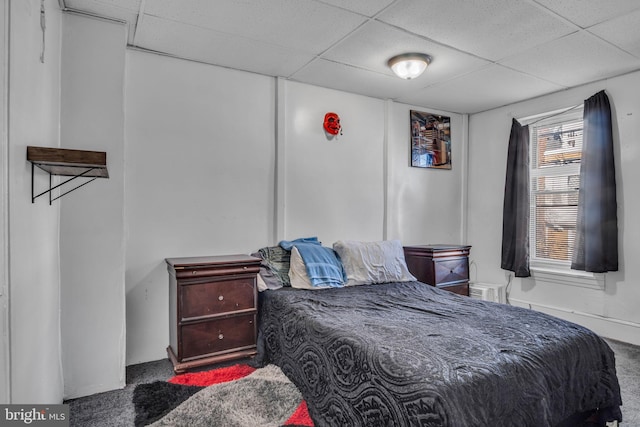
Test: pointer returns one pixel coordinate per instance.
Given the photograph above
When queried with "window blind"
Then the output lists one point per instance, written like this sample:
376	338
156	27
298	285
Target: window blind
555	181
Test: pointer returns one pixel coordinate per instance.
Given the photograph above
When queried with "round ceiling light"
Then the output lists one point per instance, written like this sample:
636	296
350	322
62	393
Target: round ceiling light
409	65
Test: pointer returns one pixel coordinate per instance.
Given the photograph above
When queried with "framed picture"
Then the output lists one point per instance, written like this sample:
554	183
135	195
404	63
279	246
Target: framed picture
430	140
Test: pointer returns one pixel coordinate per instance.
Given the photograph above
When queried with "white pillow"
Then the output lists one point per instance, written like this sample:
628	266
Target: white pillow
373	262
298	272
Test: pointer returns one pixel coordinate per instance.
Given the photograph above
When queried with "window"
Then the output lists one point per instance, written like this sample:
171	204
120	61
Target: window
556	150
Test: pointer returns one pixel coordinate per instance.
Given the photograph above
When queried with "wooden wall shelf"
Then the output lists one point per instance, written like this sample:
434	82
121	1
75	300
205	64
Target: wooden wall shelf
65	162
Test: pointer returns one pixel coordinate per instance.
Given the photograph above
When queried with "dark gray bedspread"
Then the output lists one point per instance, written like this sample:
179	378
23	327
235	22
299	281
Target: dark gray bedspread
407	354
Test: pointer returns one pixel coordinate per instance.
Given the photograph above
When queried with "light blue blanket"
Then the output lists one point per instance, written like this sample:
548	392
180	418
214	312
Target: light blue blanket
323	266
289	244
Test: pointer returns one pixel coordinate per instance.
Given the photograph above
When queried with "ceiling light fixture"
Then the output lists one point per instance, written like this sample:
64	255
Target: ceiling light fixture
409	65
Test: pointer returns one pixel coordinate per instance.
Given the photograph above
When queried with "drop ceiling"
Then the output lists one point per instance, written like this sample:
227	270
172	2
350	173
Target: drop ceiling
486	53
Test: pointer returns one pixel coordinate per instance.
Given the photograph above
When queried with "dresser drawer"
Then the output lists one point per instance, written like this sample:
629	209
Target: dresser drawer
219	335
451	271
217	297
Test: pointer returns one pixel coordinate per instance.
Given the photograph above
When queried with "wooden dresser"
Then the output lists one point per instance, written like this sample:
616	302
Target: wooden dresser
442	266
213	304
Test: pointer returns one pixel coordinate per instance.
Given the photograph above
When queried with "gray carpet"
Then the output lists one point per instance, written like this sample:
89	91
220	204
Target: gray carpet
115	408
628	370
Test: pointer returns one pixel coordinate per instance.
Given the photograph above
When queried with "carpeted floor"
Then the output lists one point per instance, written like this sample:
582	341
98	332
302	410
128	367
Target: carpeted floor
628	370
115	408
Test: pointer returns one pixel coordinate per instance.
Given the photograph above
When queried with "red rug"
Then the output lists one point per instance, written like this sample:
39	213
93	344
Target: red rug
214	376
155	401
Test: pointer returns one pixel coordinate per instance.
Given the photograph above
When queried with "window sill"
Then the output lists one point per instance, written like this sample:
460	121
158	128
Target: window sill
555	275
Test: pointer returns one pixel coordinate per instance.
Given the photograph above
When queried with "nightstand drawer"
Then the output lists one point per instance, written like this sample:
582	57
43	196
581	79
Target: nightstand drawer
461	288
224	270
217	297
220	335
451	271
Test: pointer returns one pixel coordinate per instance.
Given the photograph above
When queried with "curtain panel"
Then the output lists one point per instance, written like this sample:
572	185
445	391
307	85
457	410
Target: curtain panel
596	242
515	216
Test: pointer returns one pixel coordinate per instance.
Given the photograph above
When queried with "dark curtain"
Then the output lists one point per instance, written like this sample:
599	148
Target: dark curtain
596	242
515	216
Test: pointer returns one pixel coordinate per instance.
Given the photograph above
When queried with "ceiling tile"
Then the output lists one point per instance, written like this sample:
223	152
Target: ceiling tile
589	12
488	88
616	31
374	43
573	60
492	29
365	7
130	5
486	53
355	80
204	45
298	24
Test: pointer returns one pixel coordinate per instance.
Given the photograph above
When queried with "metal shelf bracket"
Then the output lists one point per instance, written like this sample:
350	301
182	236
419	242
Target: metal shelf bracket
49	191
63	162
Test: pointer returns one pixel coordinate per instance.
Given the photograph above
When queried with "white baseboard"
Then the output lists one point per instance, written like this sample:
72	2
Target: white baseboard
608	327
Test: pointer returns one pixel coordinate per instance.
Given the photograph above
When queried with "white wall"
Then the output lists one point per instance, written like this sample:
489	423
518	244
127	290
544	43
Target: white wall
424	205
360	185
200	158
5	373
34	98
92	250
612	312
333	186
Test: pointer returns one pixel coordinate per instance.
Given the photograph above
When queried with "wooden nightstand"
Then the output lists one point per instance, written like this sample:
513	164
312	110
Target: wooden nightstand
213	304
442	266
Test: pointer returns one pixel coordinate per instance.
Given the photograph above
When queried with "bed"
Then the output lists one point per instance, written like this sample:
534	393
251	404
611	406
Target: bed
408	354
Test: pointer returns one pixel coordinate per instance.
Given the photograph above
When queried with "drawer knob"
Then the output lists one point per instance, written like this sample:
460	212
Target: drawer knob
193	272
221	297
220	336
